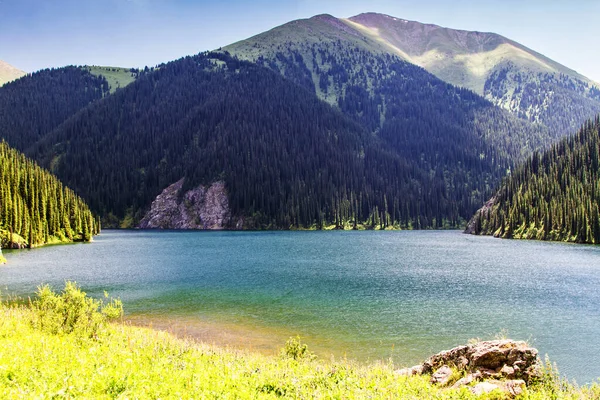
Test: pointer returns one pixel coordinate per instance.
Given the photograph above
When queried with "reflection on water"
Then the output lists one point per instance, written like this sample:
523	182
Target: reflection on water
364	295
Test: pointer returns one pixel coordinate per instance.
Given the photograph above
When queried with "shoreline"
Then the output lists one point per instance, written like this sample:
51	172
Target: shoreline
264	340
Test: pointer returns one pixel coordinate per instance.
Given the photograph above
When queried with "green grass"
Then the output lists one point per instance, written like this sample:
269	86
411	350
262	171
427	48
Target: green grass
117	77
60	359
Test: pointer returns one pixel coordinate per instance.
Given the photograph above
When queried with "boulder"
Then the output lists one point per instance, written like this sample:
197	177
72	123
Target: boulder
504	365
493	359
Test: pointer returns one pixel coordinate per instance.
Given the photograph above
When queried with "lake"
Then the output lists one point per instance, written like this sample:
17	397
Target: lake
367	296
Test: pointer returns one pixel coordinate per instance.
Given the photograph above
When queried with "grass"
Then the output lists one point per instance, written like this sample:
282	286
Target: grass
115	76
52	360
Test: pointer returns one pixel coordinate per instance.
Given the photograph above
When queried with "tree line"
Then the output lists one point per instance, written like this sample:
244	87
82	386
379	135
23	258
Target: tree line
555	195
35	208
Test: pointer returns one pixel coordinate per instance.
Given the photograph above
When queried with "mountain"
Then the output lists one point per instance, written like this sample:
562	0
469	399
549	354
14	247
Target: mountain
510	75
526	83
9	73
555	195
360	76
35	208
285	158
36	104
432	123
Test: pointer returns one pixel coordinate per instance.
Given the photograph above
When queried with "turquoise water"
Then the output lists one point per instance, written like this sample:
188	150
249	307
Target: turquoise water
363	295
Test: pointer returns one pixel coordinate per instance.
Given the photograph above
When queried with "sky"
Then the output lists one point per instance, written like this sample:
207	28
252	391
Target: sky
36	34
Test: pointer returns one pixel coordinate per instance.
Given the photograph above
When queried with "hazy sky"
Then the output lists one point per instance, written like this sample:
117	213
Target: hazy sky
36	34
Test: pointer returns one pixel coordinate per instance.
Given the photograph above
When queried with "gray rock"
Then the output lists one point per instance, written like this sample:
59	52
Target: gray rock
416	370
198	208
514	387
507	371
493	359
465	381
441	376
484	387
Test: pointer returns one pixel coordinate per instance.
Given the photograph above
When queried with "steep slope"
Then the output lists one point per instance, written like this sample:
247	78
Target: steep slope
553	196
9	73
357	74
35	105
287	159
35	208
507	73
448	131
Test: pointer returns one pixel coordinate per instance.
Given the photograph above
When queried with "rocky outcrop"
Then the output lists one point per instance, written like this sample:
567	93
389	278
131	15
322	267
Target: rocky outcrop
474	225
505	365
198	208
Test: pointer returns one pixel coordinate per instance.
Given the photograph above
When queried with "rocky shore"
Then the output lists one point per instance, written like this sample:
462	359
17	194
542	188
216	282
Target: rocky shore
505	365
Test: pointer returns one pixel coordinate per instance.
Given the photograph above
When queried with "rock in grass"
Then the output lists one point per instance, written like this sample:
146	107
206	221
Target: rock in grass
494	359
504	365
442	376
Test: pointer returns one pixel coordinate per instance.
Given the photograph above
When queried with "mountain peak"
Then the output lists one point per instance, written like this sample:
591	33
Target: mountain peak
373	17
9	73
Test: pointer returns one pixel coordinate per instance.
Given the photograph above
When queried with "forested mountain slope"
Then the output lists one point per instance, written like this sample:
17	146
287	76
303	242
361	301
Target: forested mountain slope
519	79
524	82
35	208
555	195
287	158
36	104
394	99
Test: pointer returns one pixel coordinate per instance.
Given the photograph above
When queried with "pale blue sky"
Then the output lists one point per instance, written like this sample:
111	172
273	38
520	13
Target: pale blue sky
36	34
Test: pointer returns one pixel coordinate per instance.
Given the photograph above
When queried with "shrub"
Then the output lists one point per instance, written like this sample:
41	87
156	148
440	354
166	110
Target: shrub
297	350
72	311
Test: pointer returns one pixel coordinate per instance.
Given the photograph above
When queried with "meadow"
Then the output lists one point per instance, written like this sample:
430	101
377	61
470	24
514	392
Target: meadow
67	345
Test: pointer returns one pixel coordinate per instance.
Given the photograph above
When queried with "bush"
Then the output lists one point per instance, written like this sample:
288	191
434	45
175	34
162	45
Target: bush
72	311
297	350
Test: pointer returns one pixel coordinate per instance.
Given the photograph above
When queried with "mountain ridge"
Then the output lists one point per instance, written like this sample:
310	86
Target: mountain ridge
370	20
520	80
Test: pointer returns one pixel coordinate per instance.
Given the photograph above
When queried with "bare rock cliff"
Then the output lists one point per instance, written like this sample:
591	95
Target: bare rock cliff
199	208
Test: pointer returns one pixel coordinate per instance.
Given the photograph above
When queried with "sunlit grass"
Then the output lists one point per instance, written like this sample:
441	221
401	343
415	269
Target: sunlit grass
120	361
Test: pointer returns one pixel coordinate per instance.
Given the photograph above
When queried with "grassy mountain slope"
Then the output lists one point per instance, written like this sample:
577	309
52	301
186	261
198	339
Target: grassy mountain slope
507	73
463	58
9	73
553	196
116	77
35	208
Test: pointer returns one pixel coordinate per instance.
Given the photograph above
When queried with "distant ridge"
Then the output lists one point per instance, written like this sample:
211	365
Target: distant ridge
463	58
510	75
9	73
524	82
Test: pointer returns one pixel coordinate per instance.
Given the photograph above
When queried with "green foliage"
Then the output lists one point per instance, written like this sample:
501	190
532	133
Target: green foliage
297	350
553	196
116	77
36	104
35	208
72	311
288	159
128	362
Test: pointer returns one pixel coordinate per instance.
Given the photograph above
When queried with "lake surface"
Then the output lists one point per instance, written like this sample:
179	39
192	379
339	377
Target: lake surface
361	295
